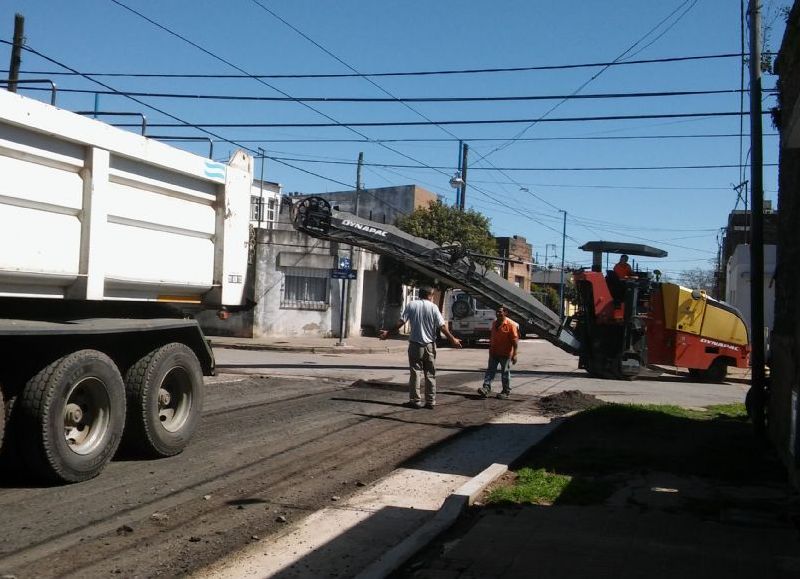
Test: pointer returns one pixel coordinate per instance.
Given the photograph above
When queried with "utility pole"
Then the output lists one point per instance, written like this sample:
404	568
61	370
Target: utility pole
16	52
463	196
563	249
458	171
757	382
263	155
349	289
358	182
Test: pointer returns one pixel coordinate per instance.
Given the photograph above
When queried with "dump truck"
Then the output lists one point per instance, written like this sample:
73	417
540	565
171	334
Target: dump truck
621	326
109	242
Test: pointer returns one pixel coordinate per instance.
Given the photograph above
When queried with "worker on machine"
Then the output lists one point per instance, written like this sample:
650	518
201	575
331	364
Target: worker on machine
622	268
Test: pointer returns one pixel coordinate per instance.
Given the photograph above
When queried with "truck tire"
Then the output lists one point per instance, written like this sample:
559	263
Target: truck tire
165	398
70	417
2	421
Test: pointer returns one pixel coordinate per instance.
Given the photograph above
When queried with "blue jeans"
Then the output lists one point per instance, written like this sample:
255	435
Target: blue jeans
491	371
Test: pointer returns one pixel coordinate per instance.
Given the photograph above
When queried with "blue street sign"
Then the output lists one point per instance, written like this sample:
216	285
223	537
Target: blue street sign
343	274
344	263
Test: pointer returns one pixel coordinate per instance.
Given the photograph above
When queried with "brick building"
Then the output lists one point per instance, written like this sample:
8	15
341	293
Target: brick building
518	271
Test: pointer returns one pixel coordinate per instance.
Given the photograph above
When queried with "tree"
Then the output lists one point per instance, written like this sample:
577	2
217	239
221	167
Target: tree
698	278
446	225
546	294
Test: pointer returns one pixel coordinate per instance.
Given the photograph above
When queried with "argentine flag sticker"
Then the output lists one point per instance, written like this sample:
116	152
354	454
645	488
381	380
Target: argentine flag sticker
215	170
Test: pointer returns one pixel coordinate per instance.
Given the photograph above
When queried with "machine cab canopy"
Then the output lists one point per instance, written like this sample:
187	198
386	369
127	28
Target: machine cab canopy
598	248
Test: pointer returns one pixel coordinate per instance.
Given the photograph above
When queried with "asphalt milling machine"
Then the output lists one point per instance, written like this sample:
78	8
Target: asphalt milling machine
621	327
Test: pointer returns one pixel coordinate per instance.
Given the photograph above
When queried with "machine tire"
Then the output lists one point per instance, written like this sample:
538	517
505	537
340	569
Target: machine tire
593	372
716	372
70	417
2	420
165	399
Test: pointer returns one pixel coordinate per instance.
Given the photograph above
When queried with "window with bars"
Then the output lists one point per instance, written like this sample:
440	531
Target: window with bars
263	210
270	207
305	288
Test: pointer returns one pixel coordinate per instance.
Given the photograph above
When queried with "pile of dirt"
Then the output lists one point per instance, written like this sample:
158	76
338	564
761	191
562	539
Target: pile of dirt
567	401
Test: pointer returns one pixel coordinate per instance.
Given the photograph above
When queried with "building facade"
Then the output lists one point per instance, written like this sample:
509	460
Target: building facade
290	286
737	233
783	406
520	253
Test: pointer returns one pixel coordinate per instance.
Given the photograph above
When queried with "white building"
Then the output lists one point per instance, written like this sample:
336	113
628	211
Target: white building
290	281
737	286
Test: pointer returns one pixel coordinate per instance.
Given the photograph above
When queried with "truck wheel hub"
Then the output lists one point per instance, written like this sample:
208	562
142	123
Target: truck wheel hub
73	415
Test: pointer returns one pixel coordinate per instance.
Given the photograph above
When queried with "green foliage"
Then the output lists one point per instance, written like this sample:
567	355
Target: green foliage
532	486
546	294
445	225
540	487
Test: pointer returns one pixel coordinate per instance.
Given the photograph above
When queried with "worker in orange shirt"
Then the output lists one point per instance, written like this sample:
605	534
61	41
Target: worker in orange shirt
622	268
502	352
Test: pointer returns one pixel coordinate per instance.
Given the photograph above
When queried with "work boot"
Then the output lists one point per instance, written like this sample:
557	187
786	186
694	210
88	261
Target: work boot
484	391
503	395
413	404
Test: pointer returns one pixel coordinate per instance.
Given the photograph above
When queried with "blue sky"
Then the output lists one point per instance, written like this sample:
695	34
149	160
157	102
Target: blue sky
521	175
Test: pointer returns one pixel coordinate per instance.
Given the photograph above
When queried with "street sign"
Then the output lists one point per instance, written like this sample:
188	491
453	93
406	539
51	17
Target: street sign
344	263
343	274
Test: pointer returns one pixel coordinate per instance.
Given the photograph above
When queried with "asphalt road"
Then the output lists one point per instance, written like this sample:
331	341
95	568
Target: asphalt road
283	434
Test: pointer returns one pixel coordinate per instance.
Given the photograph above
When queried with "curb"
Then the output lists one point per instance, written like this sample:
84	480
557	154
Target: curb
309	349
448	513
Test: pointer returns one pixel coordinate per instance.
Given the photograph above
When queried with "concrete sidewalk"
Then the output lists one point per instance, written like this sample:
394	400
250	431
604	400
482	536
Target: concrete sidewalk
614	542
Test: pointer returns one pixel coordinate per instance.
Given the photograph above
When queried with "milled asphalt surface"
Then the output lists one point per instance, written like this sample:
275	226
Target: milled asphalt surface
364	536
361	537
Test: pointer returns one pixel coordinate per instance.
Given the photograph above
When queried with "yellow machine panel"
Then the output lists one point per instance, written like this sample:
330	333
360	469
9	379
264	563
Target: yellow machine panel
695	313
723	323
681	311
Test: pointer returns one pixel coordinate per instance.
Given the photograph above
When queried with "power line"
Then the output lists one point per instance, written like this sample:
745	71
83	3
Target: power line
668	28
444	168
621	187
198	96
181	122
523	139
380	74
581	87
543	117
419	113
349	125
276	89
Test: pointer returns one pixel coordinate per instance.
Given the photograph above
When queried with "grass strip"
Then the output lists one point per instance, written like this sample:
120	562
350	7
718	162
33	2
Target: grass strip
575	464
